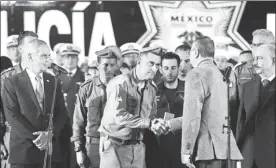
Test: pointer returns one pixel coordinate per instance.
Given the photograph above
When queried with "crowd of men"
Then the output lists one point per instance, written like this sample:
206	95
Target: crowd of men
137	107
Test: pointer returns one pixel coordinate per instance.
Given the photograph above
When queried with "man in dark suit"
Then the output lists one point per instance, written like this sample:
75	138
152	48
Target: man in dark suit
70	86
27	100
23	38
256	119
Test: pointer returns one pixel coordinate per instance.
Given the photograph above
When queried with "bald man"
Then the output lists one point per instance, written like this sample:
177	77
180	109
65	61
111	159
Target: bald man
27	99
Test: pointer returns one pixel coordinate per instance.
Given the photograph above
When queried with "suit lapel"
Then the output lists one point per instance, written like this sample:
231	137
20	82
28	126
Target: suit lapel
25	79
48	92
251	97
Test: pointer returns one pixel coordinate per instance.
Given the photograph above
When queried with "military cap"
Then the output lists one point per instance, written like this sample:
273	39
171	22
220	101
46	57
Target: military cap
109	52
12	41
70	49
130	48
57	47
155	50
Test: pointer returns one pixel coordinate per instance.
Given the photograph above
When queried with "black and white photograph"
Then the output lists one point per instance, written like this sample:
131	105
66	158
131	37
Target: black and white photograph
137	84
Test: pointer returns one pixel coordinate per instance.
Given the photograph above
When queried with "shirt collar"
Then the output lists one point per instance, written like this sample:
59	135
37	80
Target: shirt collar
32	74
270	78
179	88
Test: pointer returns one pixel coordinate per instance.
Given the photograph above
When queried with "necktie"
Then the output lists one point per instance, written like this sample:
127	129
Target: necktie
265	82
39	91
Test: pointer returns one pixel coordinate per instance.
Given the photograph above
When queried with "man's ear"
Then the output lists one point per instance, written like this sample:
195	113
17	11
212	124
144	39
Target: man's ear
273	61
196	53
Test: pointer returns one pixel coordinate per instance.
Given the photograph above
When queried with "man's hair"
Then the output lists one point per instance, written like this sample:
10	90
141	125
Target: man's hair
184	47
24	34
205	46
263	32
36	43
170	55
246	52
124	65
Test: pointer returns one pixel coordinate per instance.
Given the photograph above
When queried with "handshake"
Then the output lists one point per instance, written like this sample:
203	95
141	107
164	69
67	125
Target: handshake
160	126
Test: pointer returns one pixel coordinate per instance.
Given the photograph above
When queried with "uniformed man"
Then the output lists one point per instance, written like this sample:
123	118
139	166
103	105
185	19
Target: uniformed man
130	54
70	86
72	81
89	110
13	50
92	70
129	110
23	39
83	64
158	78
58	56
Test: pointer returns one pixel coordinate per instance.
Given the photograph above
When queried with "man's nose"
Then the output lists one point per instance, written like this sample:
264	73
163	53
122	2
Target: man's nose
254	61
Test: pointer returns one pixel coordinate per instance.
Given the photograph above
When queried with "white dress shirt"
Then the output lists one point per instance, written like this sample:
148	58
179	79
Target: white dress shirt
32	77
15	63
270	78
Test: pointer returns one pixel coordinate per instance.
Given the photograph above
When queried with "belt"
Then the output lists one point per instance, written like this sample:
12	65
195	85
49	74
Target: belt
124	142
92	140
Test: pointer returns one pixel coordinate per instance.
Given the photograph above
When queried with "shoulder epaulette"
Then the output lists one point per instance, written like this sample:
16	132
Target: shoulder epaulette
7	70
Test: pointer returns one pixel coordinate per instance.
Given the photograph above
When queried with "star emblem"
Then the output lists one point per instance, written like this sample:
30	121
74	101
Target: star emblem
130	47
69	48
171	22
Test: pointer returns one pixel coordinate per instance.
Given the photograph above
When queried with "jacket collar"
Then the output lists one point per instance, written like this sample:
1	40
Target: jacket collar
206	61
98	81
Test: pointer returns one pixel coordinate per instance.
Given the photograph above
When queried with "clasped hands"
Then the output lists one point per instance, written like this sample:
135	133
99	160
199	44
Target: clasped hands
41	141
160	126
